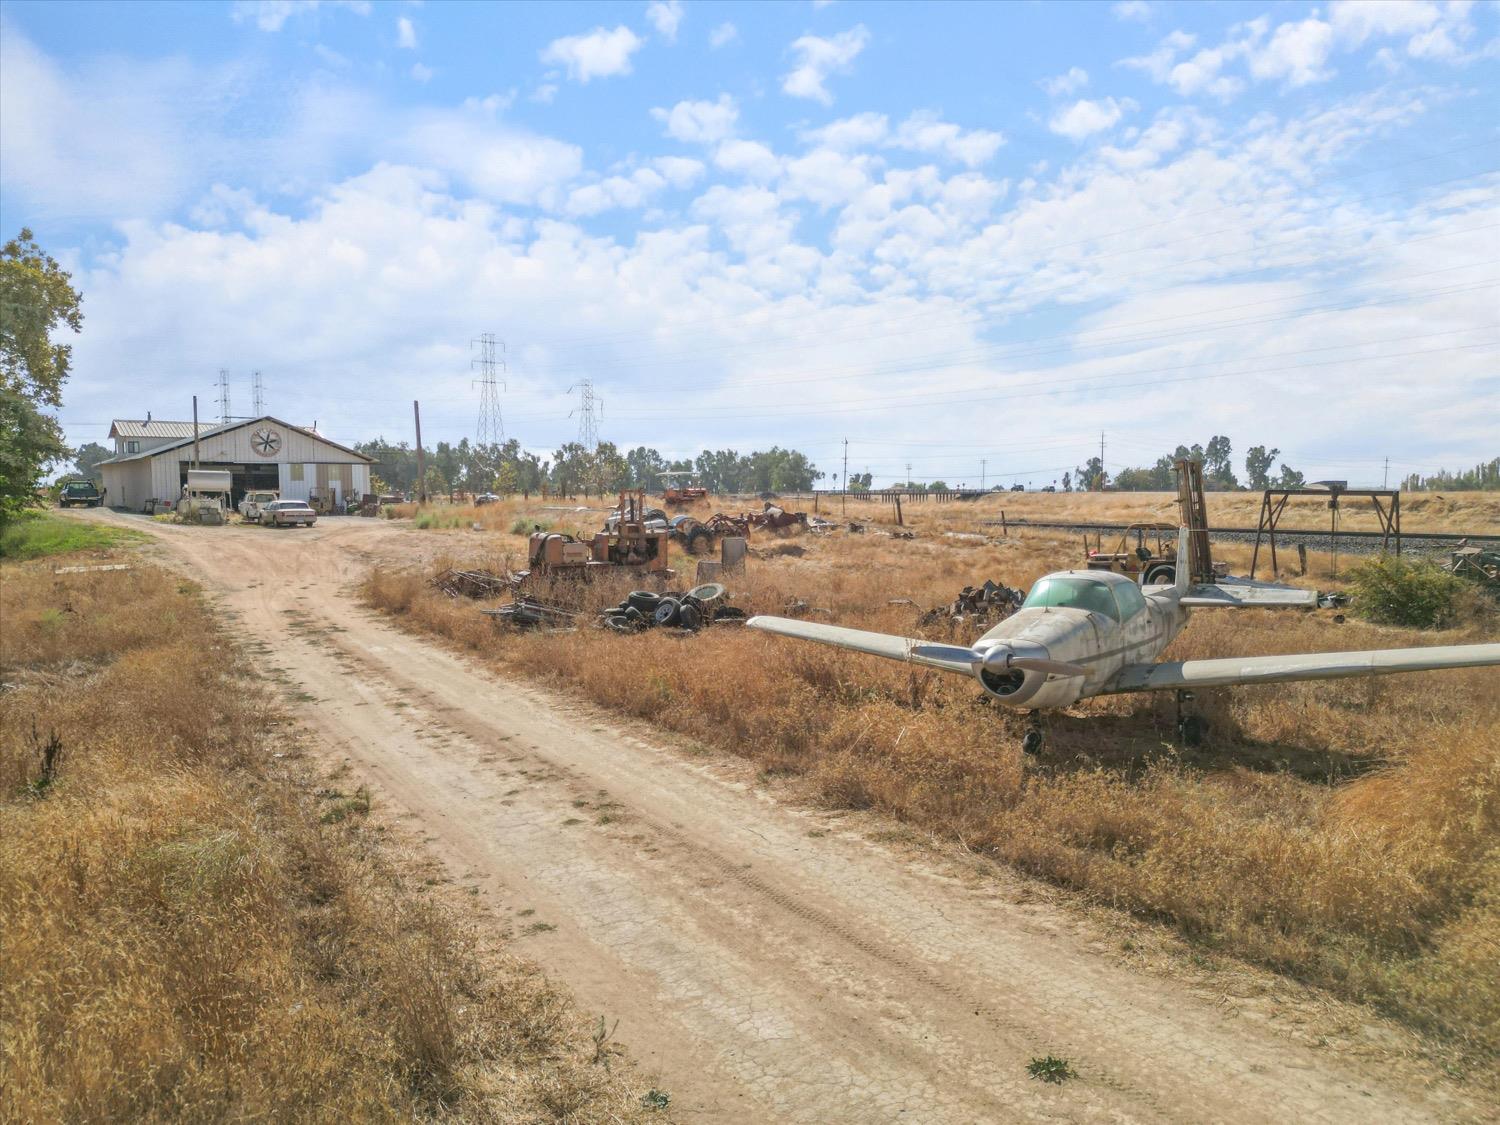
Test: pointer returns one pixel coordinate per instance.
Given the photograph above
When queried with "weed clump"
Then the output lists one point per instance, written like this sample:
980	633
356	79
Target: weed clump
1389	590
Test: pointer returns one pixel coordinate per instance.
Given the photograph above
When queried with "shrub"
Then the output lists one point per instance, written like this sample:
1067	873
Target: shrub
1392	591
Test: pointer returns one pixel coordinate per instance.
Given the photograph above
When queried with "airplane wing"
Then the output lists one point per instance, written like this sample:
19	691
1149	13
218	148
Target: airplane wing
948	658
1176	674
1246	596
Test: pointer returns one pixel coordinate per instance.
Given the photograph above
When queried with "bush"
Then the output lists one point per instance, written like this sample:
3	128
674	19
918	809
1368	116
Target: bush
1392	591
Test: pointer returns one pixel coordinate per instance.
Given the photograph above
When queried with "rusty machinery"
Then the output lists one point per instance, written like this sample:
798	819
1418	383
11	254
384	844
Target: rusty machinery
1152	560
680	489
626	542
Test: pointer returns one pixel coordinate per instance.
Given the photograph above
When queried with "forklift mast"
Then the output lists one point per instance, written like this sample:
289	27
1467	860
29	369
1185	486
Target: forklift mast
1194	516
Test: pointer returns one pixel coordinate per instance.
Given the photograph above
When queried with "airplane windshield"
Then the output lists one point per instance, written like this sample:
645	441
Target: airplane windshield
1073	593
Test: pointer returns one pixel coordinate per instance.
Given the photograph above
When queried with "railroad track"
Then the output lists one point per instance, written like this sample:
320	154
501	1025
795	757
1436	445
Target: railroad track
1356	542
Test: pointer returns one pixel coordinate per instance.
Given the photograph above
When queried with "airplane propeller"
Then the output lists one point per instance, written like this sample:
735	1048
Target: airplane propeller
1002	658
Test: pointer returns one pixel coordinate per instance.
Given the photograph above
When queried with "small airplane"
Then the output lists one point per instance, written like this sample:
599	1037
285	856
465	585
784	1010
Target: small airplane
1082	633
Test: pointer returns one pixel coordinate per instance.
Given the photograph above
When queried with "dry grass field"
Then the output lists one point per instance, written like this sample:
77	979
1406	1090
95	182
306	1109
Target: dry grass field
197	926
1345	833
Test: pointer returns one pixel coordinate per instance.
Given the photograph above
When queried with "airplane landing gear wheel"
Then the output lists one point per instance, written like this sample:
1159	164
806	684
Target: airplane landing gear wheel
1032	740
1190	730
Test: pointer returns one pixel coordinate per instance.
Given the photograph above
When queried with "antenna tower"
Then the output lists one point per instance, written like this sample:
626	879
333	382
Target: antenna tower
491	430
224	395
588	424
258	394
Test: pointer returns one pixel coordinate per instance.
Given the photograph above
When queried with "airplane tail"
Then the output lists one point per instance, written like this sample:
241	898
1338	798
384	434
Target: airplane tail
1184	569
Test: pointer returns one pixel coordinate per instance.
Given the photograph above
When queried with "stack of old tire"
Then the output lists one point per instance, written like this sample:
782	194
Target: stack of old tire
644	609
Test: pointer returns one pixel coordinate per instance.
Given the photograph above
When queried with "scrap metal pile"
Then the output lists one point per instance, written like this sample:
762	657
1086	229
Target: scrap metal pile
471	583
644	609
527	611
1477	563
977	605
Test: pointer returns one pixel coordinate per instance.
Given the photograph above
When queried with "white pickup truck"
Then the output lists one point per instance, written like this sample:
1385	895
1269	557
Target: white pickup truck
254	501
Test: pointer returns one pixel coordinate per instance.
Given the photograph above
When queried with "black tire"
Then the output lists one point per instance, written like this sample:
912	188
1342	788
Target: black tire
690	618
728	613
699	540
1032	741
619	624
633	615
1192	730
668	612
1163	574
643	600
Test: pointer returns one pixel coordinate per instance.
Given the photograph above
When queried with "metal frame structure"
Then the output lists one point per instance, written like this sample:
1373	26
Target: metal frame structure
1273	503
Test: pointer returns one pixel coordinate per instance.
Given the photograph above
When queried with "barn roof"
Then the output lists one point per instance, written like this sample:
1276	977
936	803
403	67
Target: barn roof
154	428
204	434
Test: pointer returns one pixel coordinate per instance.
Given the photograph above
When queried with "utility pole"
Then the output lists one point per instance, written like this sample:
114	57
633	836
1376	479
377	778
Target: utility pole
195	431
224	396
416	413
258	394
491	430
983	468
1385	478
908	476
844	500
1101	460
588	425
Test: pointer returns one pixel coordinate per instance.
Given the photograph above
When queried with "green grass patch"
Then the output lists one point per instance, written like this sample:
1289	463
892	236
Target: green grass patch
36	535
1389	590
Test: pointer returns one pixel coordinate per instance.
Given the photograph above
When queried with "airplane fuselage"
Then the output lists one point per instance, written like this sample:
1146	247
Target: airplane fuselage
1143	623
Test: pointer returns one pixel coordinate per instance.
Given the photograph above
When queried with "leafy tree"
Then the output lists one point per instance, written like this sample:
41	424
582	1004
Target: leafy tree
35	299
644	468
1289	478
1091	476
1067	483
86	460
937	486
1217	469
1258	462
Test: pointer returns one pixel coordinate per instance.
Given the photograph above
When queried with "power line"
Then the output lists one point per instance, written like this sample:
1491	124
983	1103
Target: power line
224	410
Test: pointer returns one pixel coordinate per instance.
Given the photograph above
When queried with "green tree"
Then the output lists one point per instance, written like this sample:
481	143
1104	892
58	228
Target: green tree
1258	462
86	460
36	299
1289	478
1217	469
1092	476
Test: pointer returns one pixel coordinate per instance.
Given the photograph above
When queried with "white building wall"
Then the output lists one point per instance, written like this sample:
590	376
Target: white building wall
166	475
361	481
298	489
127	486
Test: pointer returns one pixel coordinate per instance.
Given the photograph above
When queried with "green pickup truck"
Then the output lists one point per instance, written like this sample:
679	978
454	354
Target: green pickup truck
80	492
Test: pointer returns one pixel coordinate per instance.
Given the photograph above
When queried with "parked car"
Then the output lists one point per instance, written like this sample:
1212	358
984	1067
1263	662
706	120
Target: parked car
251	505
1018	488
287	513
80	492
485	498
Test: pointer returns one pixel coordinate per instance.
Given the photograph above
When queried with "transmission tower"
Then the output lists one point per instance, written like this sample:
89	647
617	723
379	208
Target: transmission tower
588	423
258	393
491	430
224	396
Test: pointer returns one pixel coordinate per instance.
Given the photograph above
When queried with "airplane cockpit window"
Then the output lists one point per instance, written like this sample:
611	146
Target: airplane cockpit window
1073	593
1130	599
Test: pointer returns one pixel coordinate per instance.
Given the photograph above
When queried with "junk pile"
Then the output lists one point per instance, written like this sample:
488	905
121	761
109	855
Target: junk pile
1477	563
528	612
977	605
471	583
700	606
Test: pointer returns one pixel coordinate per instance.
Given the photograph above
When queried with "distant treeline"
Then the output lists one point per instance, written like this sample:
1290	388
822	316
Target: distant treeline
574	469
1481	478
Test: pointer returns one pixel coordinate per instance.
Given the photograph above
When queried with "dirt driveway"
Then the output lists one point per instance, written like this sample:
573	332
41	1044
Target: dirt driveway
764	972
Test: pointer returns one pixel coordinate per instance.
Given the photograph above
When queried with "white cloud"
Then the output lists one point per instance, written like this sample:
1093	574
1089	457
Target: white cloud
1297	52
1084	117
421	73
860	131
700	122
616	192
723	35
750	159
924	132
817	58
665	16
271	15
406	34
598	54
496	161
1137	10
679	171
543	94
1355	21
1064	84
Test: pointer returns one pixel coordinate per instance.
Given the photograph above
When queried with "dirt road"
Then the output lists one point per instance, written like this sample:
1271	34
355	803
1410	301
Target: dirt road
766	974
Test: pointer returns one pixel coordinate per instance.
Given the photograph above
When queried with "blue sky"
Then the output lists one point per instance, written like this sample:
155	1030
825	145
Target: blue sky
946	232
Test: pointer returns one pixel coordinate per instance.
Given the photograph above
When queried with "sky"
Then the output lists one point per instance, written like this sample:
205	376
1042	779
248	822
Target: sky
968	238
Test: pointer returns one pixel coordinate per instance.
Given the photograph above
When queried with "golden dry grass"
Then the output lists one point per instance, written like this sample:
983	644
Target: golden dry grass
1347	833
192	933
